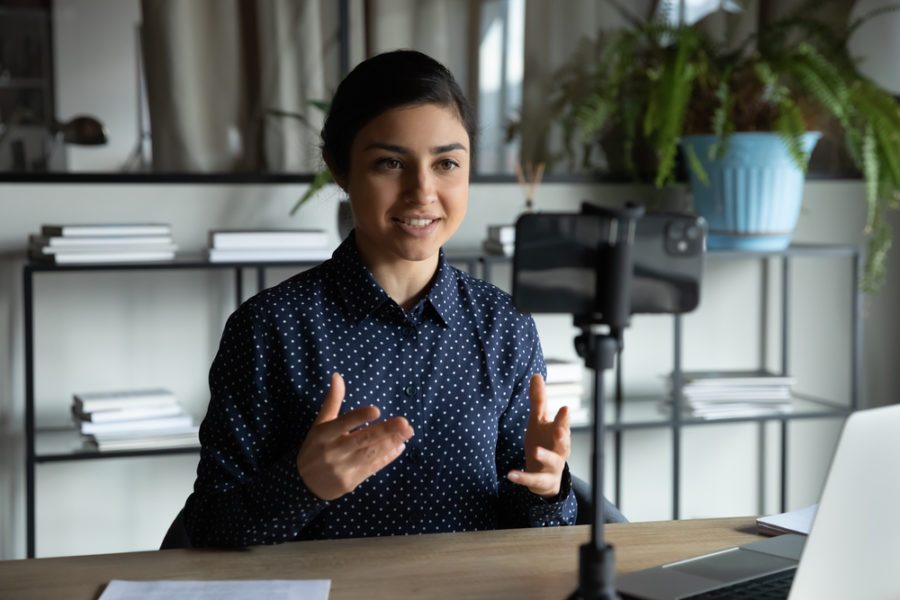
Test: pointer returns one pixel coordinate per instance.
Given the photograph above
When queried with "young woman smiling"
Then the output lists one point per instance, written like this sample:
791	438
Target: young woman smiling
383	392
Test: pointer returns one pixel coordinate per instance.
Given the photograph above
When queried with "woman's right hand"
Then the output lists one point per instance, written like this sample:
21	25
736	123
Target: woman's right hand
334	458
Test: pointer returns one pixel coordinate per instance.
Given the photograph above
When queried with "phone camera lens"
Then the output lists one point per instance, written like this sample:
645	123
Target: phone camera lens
692	232
676	231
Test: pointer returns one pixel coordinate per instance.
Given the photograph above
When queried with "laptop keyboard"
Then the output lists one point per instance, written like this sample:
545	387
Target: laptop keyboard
775	586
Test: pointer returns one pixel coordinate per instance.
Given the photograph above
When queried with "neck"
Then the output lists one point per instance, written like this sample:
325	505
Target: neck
404	281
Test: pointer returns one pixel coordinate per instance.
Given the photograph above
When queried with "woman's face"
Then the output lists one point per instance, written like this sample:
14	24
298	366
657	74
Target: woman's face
408	182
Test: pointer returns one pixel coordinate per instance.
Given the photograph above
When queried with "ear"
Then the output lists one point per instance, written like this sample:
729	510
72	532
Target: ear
329	162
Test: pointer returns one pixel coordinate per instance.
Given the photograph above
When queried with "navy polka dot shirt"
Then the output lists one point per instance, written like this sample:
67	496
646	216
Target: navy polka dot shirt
457	366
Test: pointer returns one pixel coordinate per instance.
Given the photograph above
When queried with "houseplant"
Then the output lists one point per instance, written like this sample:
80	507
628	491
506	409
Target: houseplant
651	85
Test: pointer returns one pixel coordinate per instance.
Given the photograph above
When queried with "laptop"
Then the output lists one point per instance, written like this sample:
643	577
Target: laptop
853	549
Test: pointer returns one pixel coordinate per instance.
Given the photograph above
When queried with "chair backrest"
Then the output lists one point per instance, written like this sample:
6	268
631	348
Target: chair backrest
582	489
176	536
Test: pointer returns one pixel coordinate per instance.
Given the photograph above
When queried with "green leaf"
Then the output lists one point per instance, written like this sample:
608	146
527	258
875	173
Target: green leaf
696	165
321	179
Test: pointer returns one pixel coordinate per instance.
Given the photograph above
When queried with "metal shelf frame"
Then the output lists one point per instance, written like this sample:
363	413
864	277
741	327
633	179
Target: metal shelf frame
468	258
472	260
677	422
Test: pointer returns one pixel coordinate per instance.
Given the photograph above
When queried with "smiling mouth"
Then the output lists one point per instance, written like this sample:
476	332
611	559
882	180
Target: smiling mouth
418	223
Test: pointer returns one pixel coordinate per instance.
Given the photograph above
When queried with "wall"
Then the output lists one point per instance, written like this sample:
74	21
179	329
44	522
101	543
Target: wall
96	330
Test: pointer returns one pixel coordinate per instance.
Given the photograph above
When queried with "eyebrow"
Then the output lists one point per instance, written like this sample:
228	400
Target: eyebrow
405	151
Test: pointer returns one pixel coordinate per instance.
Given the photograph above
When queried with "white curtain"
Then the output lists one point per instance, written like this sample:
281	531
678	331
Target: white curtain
229	82
436	27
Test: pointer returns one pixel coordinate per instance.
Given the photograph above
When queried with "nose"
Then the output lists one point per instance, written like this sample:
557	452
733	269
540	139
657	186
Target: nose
422	188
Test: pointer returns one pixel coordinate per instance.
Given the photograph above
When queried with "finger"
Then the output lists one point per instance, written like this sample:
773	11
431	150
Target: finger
396	430
544	484
349	421
331	406
536	393
371	459
547	460
563	418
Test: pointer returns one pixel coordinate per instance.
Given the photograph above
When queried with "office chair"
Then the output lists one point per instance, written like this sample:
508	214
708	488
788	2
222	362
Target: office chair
582	489
176	536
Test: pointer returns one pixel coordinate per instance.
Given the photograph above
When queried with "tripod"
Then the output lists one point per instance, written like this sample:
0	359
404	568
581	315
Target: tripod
596	573
612	308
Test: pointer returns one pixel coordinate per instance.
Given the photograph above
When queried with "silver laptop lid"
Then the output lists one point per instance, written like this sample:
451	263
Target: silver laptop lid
853	550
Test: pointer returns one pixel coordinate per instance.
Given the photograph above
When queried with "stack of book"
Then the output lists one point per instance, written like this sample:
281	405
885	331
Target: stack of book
268	245
501	240
565	387
735	394
133	419
102	243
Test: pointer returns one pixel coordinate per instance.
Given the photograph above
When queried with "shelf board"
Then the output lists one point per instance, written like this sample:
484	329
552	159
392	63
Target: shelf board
645	413
196	261
65	444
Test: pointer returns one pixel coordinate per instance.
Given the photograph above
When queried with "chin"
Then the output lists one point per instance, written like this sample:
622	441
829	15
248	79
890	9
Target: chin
418	252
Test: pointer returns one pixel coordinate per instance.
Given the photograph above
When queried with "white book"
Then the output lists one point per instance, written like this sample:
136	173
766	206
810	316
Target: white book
105	249
268	239
145	443
117	240
737	413
564	371
564	389
105	229
93	401
137	427
270	255
128	413
494	247
716	395
554	404
169	432
735	378
174	438
104	257
504	234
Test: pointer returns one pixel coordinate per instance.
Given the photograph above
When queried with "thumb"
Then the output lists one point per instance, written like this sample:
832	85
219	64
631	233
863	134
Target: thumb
331	406
537	395
563	418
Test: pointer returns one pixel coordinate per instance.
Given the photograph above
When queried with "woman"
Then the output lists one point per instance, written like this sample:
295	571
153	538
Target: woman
294	446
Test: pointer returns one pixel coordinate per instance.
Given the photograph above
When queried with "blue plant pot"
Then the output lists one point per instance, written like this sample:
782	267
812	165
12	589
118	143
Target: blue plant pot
753	198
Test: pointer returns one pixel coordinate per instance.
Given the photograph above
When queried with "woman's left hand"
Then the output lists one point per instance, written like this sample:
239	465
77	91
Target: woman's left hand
547	445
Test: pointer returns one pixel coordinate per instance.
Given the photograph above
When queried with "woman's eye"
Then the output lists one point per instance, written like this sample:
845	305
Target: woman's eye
389	163
448	164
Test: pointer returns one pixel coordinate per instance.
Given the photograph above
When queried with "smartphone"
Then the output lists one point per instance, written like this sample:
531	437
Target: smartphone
557	254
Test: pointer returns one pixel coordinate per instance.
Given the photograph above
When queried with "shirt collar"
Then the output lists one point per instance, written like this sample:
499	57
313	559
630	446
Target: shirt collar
362	295
444	293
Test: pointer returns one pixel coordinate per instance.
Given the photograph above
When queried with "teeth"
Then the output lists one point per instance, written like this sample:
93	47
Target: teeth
417	222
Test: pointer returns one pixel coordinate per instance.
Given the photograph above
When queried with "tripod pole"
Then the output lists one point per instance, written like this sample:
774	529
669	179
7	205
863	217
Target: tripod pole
596	574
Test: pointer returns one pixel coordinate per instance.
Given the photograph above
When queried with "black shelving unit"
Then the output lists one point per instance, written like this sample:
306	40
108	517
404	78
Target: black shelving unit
60	444
642	413
47	445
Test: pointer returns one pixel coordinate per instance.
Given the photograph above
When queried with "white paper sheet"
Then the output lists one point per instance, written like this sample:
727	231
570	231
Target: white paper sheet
795	521
275	589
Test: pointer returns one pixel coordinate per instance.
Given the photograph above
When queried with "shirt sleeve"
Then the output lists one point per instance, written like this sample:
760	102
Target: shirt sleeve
248	490
518	506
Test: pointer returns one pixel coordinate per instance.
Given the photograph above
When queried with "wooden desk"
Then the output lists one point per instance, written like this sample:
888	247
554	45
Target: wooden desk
522	563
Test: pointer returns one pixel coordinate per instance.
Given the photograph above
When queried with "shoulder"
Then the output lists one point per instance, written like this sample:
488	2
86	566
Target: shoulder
492	307
299	293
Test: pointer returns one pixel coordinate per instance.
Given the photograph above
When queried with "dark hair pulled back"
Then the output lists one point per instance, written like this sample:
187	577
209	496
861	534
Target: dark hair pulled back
386	81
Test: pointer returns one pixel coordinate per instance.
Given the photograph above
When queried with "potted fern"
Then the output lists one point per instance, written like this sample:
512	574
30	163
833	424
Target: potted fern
745	118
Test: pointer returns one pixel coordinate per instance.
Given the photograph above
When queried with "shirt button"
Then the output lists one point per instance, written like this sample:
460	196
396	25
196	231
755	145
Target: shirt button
410	390
409	331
